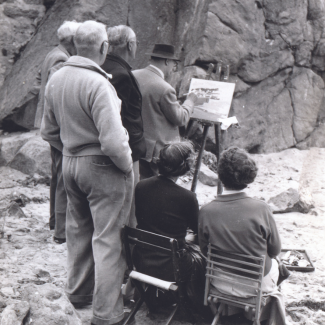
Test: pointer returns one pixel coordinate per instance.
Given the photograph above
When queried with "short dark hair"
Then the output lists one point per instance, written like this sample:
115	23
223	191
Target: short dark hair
236	168
175	159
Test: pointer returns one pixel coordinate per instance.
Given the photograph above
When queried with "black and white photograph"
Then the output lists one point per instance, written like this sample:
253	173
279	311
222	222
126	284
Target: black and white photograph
162	162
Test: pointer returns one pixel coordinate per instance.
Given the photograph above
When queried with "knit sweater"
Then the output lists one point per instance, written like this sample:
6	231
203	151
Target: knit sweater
236	223
58	55
82	114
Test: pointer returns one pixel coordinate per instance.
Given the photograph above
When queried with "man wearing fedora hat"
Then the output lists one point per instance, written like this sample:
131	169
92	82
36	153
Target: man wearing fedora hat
161	112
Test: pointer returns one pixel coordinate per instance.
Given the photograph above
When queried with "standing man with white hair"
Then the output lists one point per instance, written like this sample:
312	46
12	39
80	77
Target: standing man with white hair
58	197
82	116
123	46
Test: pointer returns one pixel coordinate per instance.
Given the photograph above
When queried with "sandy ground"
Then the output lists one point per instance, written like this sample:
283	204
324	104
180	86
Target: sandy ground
28	254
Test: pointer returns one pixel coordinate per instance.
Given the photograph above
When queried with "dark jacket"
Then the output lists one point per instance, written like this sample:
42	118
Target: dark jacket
236	223
128	91
164	208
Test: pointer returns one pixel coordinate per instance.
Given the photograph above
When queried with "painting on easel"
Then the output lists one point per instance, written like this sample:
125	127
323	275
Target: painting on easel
217	97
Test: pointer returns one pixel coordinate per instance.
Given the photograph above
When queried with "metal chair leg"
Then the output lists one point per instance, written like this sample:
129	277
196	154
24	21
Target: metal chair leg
171	316
134	310
217	316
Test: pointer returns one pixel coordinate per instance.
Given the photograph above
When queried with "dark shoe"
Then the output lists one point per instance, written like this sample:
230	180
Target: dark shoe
52	227
59	240
79	305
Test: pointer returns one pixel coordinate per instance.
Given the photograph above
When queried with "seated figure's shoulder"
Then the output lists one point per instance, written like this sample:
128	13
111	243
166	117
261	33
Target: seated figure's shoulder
258	203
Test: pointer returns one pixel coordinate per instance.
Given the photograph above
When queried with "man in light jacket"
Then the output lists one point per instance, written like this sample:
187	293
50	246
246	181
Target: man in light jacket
161	112
82	117
58	197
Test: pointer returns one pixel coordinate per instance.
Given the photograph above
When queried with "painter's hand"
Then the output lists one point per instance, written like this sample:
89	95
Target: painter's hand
195	99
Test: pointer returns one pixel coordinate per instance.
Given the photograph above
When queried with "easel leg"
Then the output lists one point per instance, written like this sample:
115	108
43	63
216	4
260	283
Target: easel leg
188	129
217	130
199	158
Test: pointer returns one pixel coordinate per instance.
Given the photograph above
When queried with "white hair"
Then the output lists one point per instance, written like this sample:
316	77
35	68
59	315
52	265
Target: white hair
90	34
120	35
67	29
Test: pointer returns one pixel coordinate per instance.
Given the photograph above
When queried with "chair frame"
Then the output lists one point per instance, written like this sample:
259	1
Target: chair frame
225	300
155	242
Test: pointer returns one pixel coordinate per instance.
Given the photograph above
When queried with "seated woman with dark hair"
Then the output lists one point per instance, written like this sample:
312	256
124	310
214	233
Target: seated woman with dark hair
237	223
165	208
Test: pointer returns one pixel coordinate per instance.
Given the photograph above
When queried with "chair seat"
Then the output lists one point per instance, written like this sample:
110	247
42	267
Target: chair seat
249	301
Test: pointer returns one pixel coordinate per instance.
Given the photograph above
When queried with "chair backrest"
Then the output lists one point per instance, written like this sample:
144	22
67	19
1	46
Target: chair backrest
237	278
151	241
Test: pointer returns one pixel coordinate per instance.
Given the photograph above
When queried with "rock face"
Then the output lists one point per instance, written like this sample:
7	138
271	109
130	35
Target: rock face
275	49
18	22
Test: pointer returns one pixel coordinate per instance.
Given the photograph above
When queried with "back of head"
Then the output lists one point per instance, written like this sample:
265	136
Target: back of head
236	169
119	36
90	36
67	30
175	159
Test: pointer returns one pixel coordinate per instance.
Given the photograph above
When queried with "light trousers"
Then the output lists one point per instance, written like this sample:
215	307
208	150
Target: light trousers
99	201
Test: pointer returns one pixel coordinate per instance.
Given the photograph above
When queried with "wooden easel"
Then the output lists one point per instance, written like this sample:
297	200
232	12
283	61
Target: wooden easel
206	125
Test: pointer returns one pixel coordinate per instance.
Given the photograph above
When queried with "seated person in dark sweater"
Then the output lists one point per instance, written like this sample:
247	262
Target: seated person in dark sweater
237	223
165	208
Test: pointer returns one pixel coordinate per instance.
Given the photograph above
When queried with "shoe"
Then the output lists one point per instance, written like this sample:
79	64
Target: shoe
79	305
121	322
59	240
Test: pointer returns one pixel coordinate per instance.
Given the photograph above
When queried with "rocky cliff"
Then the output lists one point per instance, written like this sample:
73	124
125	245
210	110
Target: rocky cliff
275	49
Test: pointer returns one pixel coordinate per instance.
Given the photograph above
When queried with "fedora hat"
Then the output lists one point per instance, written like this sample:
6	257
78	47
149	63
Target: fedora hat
164	51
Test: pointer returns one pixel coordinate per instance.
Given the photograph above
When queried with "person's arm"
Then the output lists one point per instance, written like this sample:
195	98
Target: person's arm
203	234
114	139
175	113
50	129
273	240
193	214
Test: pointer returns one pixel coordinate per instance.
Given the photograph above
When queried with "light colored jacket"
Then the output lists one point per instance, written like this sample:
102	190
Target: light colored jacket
161	112
58	55
82	114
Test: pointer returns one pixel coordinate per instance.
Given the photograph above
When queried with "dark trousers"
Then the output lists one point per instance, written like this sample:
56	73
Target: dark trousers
58	196
147	169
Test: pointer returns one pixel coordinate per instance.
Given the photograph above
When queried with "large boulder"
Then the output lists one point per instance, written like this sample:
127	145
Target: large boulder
15	314
307	92
49	305
10	145
33	157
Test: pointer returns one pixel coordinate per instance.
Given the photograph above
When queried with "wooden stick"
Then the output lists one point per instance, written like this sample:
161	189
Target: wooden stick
199	158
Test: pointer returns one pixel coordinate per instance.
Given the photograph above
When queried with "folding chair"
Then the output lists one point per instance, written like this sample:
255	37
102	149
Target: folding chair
241	273
152	241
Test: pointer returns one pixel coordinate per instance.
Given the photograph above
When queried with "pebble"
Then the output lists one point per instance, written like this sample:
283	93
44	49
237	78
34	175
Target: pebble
8	292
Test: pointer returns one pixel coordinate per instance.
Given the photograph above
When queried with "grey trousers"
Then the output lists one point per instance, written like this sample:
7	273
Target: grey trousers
99	201
58	196
133	220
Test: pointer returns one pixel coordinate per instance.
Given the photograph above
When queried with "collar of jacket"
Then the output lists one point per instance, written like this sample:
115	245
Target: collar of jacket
85	63
118	59
154	71
231	197
64	50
